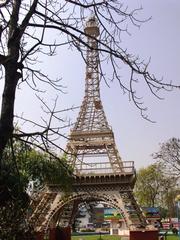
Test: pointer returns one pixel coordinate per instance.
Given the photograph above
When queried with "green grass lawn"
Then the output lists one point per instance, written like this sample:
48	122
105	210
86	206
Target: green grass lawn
110	237
173	238
95	237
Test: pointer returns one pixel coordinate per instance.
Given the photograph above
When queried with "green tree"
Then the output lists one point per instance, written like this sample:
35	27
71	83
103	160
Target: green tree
169	157
148	185
18	170
155	189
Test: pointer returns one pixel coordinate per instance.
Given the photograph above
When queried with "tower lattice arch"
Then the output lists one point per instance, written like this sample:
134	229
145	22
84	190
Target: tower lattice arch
112	200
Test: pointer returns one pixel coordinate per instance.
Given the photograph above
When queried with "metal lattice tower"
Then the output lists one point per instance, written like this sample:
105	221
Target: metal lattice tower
91	135
100	174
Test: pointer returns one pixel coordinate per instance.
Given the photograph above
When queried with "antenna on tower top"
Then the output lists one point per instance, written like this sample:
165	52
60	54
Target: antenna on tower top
91	27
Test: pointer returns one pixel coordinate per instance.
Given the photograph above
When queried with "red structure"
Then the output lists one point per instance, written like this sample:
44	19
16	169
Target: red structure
144	235
39	236
52	234
60	233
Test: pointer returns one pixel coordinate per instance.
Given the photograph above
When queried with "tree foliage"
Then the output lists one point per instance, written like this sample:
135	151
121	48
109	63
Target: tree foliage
20	167
148	185
33	165
156	189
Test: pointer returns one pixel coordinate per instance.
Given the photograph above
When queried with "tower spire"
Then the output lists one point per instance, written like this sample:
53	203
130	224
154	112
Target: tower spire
91	116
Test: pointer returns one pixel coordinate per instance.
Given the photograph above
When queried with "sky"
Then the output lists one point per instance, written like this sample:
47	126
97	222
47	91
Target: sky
135	137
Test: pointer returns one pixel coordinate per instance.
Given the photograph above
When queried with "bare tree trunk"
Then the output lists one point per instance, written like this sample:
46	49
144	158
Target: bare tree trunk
8	99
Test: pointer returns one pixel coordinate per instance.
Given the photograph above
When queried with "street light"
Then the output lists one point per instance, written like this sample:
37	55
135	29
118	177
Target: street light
177	200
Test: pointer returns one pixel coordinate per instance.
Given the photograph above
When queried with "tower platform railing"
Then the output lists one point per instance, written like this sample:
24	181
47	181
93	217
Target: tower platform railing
104	168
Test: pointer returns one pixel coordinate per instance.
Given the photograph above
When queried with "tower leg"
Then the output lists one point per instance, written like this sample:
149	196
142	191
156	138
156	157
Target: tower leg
139	219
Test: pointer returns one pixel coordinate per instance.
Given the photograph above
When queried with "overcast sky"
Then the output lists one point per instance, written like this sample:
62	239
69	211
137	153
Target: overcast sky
136	138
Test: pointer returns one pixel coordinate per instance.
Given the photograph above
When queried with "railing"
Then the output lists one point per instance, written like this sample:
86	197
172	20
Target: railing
104	168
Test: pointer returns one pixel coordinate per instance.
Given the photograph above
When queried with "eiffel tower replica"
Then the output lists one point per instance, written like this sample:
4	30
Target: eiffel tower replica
100	173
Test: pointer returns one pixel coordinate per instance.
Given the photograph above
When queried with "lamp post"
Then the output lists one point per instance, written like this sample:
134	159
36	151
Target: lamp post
177	200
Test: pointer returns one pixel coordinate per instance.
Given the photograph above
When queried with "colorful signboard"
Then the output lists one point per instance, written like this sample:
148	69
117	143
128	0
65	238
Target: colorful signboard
151	212
111	214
